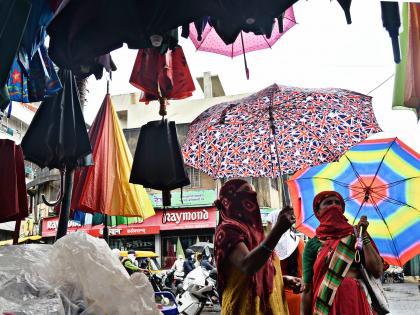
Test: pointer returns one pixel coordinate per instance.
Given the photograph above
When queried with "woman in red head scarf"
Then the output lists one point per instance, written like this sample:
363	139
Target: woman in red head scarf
331	275
249	274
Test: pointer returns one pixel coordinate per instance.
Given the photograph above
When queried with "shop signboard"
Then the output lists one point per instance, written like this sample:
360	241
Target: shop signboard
190	198
171	219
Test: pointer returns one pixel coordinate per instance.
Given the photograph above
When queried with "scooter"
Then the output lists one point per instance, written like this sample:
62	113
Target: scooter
199	290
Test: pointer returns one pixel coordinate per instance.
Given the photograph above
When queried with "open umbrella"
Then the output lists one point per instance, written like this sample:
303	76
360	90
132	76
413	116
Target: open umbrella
206	38
407	77
278	130
377	178
104	188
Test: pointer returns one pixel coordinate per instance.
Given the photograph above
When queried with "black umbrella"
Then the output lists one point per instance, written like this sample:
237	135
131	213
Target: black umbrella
57	138
82	30
391	21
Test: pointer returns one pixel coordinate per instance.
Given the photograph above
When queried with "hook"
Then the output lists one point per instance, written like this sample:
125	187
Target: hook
60	195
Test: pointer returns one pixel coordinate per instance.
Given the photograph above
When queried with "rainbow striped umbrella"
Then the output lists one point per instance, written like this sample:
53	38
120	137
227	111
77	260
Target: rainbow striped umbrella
377	178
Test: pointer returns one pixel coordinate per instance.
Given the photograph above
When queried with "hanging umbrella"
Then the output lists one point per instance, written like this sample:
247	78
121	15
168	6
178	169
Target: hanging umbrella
206	38
391	22
160	75
104	188
57	138
377	178
407	80
278	130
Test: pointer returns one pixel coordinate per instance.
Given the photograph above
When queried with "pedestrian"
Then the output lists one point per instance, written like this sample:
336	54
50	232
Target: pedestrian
178	266
188	262
331	275
249	276
289	249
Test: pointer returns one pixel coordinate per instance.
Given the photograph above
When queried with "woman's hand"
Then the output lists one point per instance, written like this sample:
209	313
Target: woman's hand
293	283
285	220
363	224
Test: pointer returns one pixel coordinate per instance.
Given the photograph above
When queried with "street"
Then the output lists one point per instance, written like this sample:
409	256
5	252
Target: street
404	299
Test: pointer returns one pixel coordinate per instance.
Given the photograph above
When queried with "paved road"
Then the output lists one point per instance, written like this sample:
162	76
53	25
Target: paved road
404	299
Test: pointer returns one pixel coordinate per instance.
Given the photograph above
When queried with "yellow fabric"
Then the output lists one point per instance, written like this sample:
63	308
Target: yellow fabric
127	199
235	295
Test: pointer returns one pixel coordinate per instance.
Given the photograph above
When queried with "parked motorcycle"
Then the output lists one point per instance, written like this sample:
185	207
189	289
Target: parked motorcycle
393	274
199	290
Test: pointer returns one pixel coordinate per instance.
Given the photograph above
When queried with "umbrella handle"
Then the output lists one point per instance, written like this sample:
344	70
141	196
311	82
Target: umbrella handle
60	195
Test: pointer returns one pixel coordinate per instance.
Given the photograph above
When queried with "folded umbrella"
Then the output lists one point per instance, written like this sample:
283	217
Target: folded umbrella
104	187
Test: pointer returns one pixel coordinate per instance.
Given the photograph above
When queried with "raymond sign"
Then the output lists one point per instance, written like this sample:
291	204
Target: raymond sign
173	219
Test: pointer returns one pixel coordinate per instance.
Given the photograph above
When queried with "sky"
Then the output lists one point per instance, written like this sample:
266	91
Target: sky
320	51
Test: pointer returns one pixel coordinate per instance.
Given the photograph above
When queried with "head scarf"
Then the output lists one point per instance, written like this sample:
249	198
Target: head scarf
240	221
333	223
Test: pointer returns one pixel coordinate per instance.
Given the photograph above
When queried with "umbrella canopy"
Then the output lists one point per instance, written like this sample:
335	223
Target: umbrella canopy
407	77
104	187
278	130
208	39
377	178
57	136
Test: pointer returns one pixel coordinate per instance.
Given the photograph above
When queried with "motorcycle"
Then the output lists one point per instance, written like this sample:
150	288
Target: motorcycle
199	290
172	281
393	274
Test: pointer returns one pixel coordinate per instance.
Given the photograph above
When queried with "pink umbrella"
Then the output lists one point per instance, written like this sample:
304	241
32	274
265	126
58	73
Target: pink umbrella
245	42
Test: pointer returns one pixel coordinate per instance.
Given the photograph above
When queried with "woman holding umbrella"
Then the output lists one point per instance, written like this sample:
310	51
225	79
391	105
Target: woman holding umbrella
331	275
249	274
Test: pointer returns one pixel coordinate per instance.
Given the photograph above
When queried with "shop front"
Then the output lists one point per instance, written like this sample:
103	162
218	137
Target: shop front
167	233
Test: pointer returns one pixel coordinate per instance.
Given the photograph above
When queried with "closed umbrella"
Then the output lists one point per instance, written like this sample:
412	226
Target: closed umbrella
104	187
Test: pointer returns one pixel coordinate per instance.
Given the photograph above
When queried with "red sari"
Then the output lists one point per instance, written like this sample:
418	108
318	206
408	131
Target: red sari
350	298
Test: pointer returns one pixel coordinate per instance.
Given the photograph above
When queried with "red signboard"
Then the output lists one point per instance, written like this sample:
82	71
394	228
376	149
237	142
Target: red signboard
173	219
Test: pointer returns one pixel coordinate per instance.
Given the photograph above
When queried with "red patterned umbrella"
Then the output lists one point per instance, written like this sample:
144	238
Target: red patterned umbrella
278	130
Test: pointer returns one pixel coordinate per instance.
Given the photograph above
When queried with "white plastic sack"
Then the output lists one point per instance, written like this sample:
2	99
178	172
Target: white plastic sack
77	275
88	265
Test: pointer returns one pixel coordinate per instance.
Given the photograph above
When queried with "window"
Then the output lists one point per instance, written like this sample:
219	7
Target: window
194	176
274	183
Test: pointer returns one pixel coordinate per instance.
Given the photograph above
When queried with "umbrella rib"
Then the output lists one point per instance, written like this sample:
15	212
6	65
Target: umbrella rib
359	178
380	164
325	178
387	227
396	202
266	41
203	39
395	183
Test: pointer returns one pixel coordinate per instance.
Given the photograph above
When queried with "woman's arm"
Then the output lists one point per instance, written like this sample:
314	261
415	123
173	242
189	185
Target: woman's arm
306	300
372	261
249	262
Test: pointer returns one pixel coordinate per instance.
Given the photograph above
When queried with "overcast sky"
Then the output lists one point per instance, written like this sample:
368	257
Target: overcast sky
320	51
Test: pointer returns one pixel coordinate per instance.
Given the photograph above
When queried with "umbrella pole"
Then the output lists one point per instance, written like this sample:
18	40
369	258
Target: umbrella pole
17	232
65	205
106	230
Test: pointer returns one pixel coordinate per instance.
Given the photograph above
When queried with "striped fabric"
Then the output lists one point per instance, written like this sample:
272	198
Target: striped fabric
338	267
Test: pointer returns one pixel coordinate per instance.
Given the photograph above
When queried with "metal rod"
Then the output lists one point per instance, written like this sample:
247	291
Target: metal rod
65	205
17	232
106	230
